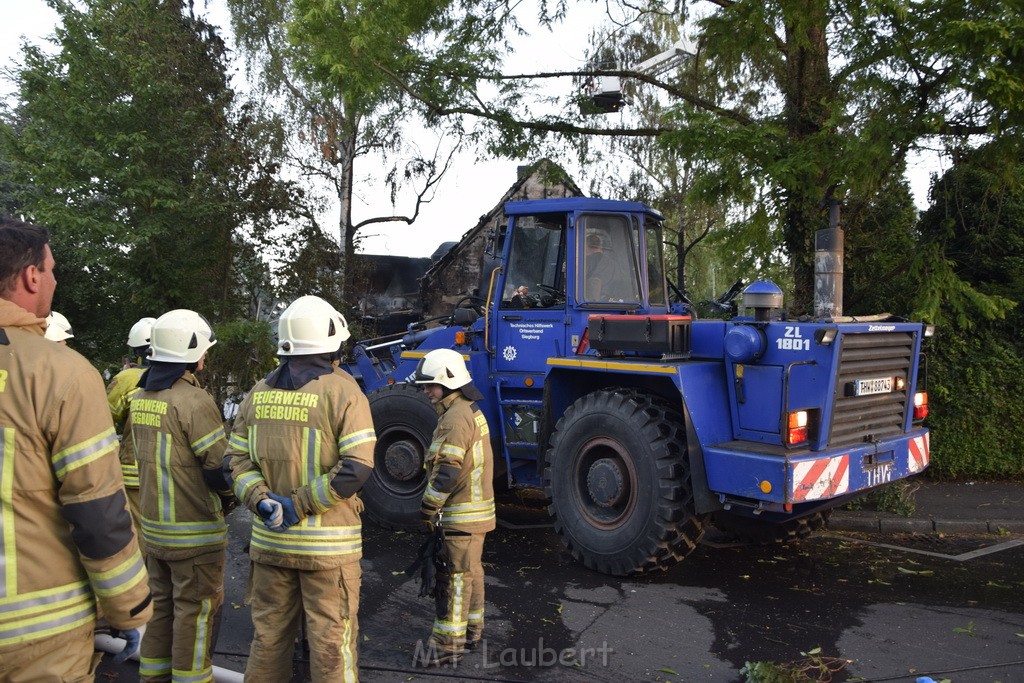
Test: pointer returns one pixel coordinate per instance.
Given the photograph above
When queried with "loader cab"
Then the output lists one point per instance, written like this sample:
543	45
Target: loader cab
565	260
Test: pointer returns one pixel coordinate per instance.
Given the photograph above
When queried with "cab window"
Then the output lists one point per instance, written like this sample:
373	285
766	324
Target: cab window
655	264
609	272
536	271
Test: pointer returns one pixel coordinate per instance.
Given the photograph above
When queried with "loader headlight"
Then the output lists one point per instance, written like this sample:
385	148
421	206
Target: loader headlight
824	336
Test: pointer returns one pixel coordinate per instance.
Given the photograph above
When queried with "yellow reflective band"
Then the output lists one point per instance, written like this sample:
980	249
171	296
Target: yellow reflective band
469	512
239	443
121	578
199	647
616	366
81	611
453	451
297	540
475	506
184	534
476	491
50	598
476	617
82	454
310	454
456	610
433	496
348	671
253	455
9	575
449	628
195	676
350	441
323	495
203	444
245	482
154	666
453	625
164	480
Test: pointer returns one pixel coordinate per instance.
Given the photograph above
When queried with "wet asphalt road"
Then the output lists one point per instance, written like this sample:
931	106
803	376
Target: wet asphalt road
893	613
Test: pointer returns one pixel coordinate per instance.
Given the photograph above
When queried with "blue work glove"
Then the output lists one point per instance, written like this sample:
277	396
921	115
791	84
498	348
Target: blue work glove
271	513
288	508
131	644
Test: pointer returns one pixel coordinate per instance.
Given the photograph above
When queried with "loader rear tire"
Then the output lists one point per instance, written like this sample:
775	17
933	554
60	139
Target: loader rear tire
761	532
618	483
404	421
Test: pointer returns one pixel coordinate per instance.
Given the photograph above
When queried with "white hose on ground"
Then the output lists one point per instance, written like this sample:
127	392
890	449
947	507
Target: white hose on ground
112	645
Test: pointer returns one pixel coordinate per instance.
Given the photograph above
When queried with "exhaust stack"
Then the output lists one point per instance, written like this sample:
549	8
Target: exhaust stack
828	266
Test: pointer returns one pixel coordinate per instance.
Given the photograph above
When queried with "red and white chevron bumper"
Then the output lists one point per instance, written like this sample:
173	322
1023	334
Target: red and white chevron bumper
918	453
823	478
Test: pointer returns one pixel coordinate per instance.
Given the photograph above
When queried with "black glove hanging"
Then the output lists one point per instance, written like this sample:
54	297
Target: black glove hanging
435	569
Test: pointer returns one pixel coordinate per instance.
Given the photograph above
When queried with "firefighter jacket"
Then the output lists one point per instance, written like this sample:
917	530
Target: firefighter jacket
316	445
66	539
461	467
122	387
120	391
179	443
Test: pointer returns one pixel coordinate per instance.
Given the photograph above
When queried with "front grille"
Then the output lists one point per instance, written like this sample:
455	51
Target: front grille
860	419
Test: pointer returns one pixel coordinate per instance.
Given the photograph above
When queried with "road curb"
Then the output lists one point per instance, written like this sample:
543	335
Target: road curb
873	522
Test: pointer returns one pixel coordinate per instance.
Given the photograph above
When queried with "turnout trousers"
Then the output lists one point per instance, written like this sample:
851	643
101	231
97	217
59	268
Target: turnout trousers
329	599
464	619
63	658
186	597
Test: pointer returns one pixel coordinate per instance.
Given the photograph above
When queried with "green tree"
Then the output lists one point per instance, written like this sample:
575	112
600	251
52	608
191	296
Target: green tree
334	116
972	263
802	99
155	182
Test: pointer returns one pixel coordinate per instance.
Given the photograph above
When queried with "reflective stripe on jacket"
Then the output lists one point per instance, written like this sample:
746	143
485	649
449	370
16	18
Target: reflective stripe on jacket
66	539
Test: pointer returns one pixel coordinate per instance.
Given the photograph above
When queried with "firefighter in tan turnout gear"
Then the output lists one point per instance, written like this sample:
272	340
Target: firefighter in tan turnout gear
66	540
459	487
122	387
179	443
301	448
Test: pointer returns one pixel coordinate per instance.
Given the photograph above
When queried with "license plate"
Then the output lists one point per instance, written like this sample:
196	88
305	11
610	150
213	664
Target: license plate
866	387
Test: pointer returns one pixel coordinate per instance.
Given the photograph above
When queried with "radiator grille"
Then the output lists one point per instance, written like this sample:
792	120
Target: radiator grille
860	419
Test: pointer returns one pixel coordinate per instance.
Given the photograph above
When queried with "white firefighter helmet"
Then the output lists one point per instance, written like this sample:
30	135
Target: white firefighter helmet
445	367
141	333
58	328
310	325
180	336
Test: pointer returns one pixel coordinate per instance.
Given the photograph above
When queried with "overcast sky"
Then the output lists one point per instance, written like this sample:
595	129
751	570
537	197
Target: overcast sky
469	190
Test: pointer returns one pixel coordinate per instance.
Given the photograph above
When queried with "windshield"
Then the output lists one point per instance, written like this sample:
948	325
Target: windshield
610	272
535	270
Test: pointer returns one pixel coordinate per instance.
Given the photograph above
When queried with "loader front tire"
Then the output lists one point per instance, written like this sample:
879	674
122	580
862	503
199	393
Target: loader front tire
404	421
618	482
